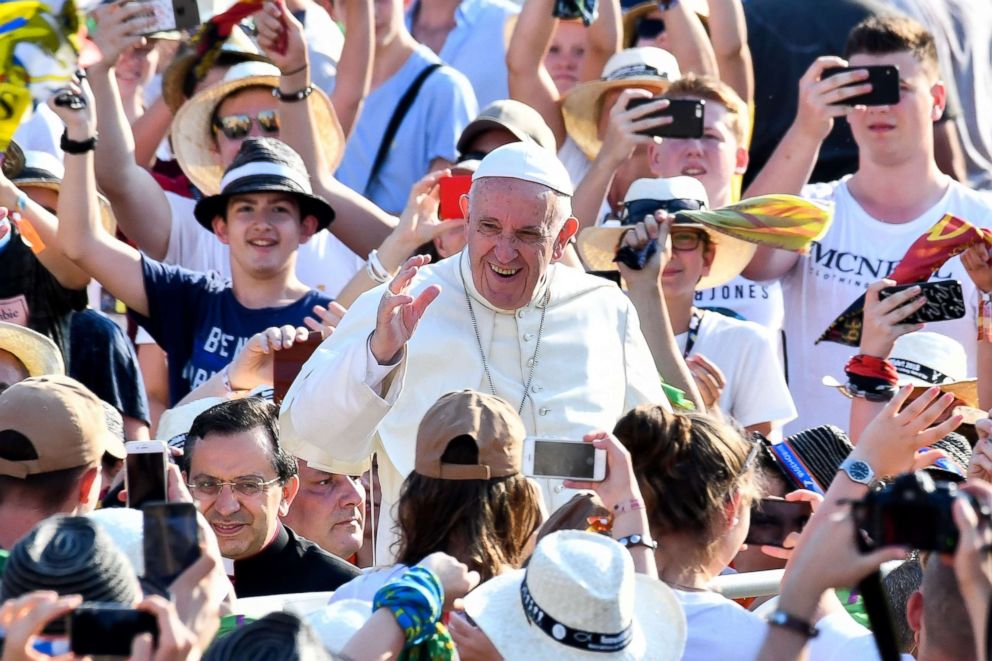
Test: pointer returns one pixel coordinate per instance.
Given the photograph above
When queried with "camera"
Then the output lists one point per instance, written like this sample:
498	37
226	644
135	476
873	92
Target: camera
912	511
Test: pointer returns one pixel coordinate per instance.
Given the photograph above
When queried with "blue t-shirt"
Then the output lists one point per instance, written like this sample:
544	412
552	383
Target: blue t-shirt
199	323
443	108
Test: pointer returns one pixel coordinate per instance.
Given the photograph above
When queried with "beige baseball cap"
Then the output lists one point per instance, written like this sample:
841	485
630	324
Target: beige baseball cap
62	419
518	118
496	428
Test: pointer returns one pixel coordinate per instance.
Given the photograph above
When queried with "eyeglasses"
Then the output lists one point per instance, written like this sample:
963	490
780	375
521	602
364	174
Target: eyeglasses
527	236
249	487
687	240
235	127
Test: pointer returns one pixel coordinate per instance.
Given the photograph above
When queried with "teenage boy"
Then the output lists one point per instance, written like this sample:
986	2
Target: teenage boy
896	195
264	211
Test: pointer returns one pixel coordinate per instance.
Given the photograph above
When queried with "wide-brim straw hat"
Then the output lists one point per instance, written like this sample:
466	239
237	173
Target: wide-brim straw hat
192	133
598	246
38	169
580	586
924	360
237	48
40	356
652	69
639	10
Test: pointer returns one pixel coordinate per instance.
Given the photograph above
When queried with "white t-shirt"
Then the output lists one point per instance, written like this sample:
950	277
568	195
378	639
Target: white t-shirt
856	251
365	586
719	628
760	302
322	263
746	354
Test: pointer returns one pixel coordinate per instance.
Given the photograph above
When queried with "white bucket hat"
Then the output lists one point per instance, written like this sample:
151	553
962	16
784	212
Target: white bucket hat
192	135
923	360
597	246
579	598
648	68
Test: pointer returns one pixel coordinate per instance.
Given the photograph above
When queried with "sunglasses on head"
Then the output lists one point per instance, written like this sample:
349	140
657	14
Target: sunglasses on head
649	28
236	127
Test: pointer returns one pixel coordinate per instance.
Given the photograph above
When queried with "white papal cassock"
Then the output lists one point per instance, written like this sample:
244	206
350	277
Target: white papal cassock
593	366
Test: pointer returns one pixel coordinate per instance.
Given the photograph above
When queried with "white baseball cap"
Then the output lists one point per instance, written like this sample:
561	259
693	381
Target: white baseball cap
528	162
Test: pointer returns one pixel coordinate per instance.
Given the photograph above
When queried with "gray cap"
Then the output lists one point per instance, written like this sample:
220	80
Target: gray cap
518	118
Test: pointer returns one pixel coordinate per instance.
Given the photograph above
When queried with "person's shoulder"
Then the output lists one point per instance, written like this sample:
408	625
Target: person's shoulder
721	324
487	10
315	556
970	205
175	275
823	191
570	283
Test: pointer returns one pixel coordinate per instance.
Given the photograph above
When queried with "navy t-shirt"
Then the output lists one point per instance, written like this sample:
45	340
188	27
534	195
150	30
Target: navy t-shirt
201	326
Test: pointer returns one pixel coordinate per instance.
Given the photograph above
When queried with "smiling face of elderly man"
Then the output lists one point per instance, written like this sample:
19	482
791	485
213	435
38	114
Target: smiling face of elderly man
515	229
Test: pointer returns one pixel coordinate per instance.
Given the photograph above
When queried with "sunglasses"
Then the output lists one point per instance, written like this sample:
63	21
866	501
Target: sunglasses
236	127
649	28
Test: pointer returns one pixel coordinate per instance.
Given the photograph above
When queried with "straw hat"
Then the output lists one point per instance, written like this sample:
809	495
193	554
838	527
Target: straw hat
633	12
38	353
39	169
192	135
923	360
579	598
236	49
598	245
649	68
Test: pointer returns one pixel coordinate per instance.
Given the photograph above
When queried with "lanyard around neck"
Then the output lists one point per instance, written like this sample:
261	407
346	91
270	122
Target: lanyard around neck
690	342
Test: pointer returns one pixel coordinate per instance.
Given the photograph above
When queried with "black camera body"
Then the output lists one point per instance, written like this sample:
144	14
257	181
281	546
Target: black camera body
912	511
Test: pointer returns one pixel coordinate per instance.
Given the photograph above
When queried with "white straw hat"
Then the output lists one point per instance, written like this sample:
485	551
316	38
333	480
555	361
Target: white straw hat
597	246
579	598
647	68
192	135
38	353
526	161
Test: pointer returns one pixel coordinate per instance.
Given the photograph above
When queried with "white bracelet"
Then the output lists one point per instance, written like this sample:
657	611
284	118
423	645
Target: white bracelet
375	268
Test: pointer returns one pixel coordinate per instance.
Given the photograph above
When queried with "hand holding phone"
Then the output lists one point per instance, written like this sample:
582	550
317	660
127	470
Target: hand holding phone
687	117
171	15
774	519
945	301
884	80
171	541
145	467
107	628
564	459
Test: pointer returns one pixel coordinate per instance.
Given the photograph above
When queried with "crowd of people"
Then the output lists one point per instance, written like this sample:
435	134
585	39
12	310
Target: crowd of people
487	330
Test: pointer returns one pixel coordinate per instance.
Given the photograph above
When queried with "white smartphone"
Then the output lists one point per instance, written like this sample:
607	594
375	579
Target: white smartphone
563	458
145	466
173	15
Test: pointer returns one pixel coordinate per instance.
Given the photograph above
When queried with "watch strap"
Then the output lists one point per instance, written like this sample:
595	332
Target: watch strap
77	146
780	618
638	540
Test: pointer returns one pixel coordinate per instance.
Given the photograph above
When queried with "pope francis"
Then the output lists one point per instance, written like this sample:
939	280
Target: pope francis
563	347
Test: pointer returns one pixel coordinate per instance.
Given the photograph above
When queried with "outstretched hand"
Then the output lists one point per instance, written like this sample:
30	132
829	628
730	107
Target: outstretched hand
117	26
281	36
884	319
977	261
252	366
400	312
653	228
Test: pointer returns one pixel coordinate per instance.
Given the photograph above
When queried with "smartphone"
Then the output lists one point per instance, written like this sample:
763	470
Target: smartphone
451	190
107	628
945	301
772	519
171	15
686	114
286	364
884	81
171	541
145	472
564	458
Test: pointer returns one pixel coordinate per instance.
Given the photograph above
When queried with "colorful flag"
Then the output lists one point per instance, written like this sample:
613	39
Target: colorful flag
787	222
950	236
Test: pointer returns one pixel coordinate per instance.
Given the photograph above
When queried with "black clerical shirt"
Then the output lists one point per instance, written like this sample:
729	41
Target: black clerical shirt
290	564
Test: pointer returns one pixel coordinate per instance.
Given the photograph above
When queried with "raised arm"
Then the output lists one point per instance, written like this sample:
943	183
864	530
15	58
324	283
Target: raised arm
604	38
139	204
790	165
355	67
149	130
358	223
728	35
529	80
65	271
688	41
115	265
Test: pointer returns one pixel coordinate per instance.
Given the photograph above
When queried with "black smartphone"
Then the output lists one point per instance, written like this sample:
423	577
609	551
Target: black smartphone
884	81
145	472
686	114
945	301
171	541
772	519
107	628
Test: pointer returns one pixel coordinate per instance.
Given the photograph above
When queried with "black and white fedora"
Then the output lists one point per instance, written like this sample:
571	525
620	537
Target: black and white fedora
265	165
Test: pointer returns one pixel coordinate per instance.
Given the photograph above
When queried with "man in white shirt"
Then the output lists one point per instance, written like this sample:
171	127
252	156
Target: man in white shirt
897	194
564	347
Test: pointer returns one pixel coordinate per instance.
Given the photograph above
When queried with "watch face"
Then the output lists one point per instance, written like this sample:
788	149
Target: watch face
860	471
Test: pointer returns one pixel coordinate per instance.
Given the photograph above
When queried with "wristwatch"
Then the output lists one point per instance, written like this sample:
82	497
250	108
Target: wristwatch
638	540
785	620
858	471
